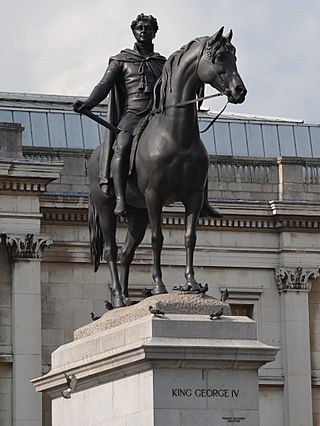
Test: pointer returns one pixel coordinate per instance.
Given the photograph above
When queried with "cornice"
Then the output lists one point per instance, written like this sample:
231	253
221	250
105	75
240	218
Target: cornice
26	175
176	220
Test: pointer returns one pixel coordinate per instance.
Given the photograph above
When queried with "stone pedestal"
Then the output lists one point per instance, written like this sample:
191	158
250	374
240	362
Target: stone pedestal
181	370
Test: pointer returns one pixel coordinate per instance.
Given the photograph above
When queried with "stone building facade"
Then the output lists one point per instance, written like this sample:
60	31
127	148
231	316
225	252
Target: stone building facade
264	176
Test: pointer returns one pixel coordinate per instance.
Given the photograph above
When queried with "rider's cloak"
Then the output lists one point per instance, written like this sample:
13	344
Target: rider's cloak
149	69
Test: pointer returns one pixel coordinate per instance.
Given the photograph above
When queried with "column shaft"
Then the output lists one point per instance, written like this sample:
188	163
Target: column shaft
26	331
296	348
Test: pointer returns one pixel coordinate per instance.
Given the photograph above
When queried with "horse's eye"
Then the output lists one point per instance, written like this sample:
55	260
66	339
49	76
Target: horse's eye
220	57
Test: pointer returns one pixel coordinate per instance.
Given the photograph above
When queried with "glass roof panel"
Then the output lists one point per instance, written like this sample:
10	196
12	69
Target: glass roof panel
207	137
23	117
74	131
90	133
255	144
287	145
39	128
303	143
57	130
239	139
315	141
222	138
6	116
270	140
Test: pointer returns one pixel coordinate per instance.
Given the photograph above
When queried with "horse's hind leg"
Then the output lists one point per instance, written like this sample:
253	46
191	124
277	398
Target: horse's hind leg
137	224
108	223
193	206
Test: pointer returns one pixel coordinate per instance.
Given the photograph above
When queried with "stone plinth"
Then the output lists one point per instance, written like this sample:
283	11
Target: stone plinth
181	370
173	303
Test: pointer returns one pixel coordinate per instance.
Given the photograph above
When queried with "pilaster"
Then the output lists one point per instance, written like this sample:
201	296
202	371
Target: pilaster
25	253
293	285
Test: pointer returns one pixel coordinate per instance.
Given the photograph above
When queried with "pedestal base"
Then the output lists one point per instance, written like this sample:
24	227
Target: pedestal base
181	370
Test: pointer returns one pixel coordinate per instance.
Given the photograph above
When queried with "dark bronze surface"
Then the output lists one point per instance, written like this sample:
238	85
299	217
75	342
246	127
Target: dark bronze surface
170	162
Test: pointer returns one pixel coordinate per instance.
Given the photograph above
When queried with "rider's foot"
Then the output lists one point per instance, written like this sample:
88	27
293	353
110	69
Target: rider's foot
120	209
208	211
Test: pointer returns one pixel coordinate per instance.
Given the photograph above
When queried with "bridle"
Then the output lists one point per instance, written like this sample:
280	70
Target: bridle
210	54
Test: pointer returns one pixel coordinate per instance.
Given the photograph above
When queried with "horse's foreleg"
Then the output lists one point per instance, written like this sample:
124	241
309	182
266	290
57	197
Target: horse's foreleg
154	210
193	207
137	224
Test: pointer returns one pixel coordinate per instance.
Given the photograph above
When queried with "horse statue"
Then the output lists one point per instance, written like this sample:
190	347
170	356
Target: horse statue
170	163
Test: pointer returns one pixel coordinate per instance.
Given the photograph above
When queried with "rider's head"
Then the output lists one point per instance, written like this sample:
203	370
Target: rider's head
144	28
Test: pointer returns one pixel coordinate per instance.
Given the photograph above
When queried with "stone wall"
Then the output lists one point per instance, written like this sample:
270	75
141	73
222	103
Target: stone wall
271	219
230	178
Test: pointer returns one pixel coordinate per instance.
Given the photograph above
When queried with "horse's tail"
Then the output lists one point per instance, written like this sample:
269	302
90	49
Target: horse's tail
96	236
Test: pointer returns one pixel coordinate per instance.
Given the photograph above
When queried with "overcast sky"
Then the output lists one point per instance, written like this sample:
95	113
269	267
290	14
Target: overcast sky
63	46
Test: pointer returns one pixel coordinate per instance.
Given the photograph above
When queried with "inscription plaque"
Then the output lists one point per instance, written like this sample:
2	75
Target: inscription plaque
205	393
220	397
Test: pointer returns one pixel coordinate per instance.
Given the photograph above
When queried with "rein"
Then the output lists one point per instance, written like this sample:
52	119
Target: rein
193	101
215	119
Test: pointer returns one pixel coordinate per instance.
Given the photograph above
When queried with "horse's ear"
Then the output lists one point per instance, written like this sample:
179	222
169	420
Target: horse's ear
215	37
229	36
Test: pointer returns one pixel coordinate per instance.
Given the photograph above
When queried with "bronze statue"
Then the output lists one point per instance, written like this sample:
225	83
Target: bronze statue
169	162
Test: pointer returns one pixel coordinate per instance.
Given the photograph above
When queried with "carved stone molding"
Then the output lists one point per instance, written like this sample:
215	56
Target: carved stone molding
17	185
29	246
298	279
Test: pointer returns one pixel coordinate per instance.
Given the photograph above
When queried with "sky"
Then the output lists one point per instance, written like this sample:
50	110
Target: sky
62	46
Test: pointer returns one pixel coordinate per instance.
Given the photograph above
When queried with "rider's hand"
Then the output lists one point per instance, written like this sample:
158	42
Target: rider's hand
78	106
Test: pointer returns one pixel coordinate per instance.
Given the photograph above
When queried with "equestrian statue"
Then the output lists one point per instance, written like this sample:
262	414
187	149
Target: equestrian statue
153	155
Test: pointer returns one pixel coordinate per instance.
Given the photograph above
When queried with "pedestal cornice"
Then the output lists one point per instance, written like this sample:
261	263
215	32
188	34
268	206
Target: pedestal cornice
176	341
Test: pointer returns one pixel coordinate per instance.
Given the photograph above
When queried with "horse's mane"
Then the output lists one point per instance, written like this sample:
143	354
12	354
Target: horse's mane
164	81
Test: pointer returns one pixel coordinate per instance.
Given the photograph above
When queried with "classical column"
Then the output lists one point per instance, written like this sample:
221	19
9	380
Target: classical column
294	285
25	254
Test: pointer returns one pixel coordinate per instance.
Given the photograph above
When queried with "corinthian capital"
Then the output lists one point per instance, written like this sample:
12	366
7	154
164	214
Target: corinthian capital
29	246
298	279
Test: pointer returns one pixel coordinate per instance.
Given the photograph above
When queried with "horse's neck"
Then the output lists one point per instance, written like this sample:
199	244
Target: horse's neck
184	80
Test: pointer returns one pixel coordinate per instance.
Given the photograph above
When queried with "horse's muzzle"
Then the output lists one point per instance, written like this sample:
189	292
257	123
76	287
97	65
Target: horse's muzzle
237	95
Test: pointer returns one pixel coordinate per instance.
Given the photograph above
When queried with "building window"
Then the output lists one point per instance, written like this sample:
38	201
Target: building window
240	309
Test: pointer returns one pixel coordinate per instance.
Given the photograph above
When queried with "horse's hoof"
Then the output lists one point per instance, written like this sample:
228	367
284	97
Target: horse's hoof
193	286
159	289
127	301
118	302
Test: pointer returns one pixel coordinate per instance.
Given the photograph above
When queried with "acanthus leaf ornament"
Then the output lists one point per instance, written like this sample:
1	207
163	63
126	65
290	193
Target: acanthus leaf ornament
298	279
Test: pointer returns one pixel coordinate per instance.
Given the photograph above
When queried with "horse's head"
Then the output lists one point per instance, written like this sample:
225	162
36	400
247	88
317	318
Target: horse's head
217	67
